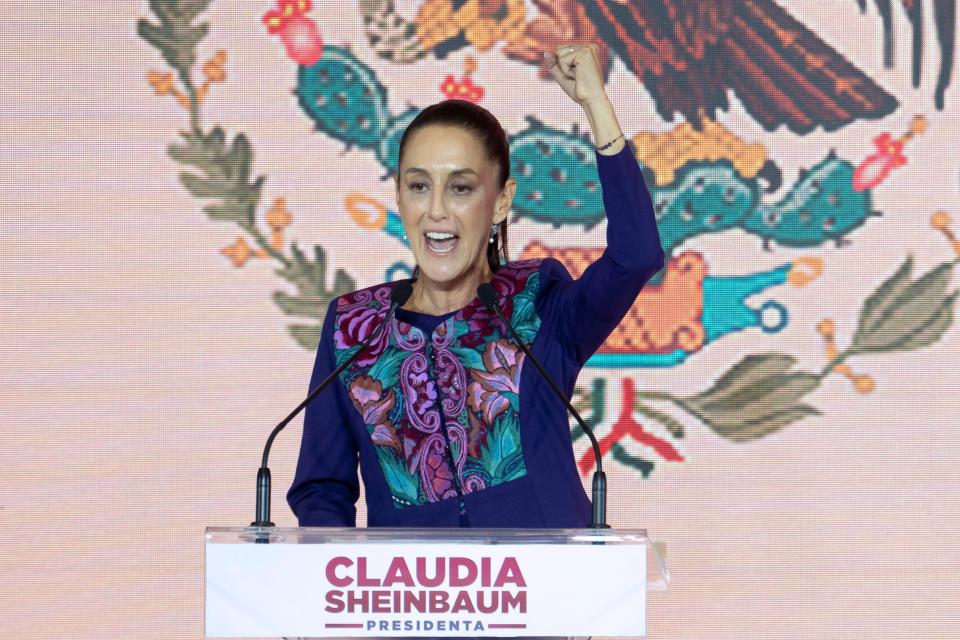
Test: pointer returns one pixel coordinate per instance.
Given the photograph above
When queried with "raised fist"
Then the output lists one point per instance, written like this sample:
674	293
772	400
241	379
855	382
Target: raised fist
576	68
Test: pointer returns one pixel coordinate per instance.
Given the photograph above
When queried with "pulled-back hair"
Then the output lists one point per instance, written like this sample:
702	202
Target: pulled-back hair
487	129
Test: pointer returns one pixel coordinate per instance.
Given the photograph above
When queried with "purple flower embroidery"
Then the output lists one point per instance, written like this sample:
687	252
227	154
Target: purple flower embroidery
481	322
435	473
355	325
367	396
502	361
483	395
420	392
452	378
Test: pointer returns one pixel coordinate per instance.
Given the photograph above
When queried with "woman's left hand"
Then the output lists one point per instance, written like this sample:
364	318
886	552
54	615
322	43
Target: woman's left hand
576	68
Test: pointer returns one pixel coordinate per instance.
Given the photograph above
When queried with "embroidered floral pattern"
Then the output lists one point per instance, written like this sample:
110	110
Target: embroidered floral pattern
420	391
358	314
443	410
369	399
494	386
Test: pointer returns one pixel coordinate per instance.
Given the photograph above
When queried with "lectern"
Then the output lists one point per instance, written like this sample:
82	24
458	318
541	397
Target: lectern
348	582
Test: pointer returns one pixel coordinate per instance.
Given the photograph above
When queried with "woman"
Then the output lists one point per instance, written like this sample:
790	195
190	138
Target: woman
448	425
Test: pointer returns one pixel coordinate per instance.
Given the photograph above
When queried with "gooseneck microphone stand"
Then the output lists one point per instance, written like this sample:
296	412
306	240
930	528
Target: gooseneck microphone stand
488	295
399	294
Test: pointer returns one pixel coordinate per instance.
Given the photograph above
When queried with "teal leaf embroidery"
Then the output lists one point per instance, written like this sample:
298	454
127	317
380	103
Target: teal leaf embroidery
387	368
501	455
403	484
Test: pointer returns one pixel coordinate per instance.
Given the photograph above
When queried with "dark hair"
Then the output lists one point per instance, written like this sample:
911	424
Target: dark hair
485	128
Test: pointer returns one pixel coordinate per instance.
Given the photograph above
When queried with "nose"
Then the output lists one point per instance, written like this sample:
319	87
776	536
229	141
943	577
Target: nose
438	210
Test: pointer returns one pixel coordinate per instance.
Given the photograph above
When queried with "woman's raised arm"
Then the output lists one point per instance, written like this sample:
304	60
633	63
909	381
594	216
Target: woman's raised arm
586	310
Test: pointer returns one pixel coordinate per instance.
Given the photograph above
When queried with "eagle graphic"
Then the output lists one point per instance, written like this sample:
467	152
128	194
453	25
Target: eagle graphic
691	54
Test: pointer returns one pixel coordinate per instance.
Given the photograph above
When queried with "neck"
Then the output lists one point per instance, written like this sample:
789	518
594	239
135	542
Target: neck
438	298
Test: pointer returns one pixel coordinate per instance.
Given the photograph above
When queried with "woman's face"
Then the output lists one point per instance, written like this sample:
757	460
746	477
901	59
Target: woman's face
448	198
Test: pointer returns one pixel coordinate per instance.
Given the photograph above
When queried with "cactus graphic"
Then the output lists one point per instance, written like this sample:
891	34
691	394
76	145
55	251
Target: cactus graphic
344	98
556	173
822	206
556	176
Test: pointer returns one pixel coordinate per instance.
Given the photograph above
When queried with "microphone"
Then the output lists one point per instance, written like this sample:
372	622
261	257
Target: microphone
488	295
399	293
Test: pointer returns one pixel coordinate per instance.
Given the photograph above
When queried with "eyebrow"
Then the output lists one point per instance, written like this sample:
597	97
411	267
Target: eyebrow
453	173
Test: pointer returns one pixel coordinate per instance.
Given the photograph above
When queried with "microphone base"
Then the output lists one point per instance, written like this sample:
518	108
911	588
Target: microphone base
599	500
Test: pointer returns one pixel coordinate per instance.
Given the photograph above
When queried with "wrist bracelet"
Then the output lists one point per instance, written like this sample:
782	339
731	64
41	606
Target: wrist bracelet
607	145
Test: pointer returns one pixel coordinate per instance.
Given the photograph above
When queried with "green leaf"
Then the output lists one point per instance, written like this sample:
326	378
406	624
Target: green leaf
672	424
297	306
938	324
313	296
225	175
227	212
307	336
913	309
342	283
176	37
757	396
201	150
771	394
310	278
204	187
875	306
746	374
759	427
240	158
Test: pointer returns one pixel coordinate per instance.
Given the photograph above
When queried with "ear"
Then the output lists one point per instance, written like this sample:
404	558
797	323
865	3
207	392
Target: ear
504	201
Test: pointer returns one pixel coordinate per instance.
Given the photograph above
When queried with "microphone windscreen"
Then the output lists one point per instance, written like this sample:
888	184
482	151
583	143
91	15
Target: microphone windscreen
488	295
401	292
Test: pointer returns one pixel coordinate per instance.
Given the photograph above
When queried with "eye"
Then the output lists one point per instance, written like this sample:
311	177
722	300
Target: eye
462	189
416	186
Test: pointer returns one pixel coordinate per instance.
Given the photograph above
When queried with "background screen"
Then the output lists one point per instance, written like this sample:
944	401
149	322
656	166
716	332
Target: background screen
185	184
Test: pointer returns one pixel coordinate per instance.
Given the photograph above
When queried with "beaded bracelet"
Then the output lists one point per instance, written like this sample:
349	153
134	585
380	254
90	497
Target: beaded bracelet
609	143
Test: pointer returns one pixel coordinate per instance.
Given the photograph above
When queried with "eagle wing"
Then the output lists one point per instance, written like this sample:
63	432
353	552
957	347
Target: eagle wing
690	53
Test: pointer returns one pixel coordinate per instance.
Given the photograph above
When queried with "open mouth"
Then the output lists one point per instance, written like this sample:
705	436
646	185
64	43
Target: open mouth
441	242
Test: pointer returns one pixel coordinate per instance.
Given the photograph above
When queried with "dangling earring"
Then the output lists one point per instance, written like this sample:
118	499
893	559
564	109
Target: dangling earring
494	230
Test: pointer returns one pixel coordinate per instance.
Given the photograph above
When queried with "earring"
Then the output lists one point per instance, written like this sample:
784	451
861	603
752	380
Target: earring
494	230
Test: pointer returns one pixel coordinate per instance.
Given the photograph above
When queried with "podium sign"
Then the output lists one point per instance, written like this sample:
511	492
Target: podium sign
426	582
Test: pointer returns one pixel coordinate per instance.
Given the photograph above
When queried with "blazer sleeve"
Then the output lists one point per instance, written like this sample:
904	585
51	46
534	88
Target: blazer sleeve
588	309
326	486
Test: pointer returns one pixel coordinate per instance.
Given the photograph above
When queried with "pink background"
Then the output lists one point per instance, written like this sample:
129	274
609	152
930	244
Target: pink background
142	370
